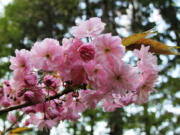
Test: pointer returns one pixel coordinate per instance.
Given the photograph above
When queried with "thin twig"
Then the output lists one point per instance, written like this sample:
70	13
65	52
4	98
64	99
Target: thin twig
65	91
12	125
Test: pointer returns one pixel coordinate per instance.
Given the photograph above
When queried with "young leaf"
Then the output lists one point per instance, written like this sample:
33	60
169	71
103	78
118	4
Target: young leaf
155	47
17	130
136	37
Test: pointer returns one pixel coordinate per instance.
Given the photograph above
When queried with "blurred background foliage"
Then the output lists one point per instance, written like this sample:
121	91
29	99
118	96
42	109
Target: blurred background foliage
26	21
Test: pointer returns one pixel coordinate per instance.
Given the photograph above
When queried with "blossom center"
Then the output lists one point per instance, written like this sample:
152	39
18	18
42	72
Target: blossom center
47	56
95	70
118	78
23	65
107	50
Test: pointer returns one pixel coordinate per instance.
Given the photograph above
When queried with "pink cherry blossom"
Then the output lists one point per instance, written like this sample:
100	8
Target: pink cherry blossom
110	107
30	79
45	53
89	28
21	61
122	77
51	82
107	47
96	75
12	118
149	73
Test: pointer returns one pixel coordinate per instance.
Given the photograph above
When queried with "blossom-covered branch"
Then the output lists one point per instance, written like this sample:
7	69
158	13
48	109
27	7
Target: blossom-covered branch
89	67
11	108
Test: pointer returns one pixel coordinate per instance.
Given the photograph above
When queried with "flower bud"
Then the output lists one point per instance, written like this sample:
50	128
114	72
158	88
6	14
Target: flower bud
30	79
87	52
29	96
48	80
5	102
12	118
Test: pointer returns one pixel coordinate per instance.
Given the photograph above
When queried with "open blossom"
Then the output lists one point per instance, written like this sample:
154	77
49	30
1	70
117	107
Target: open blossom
70	50
89	28
30	79
78	74
122	77
71	57
107	47
51	82
21	61
73	107
96	75
148	74
45	53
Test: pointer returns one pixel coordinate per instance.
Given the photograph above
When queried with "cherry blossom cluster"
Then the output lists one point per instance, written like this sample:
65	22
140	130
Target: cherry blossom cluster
89	64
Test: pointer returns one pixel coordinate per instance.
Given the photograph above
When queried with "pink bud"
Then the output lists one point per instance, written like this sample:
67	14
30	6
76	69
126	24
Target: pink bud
29	96
6	83
87	52
48	80
12	118
20	93
5	102
29	110
26	123
30	79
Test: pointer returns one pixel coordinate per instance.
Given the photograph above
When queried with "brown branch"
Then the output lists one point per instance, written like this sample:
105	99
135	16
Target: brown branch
12	125
65	91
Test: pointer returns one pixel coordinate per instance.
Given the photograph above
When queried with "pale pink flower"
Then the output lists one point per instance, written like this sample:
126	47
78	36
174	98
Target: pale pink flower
148	74
12	118
89	28
148	62
110	107
122	77
41	122
29	96
47	124
30	109
91	97
123	100
17	81
23	79
96	75
71	57
44	54
52	112
78	75
72	107
87	52
5	102
70	50
30	79
107	47
51	81
21	61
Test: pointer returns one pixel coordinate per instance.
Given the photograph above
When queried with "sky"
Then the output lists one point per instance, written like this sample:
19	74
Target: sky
4	3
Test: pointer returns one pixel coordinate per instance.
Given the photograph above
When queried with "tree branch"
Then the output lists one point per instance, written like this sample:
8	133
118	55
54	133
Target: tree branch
65	91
